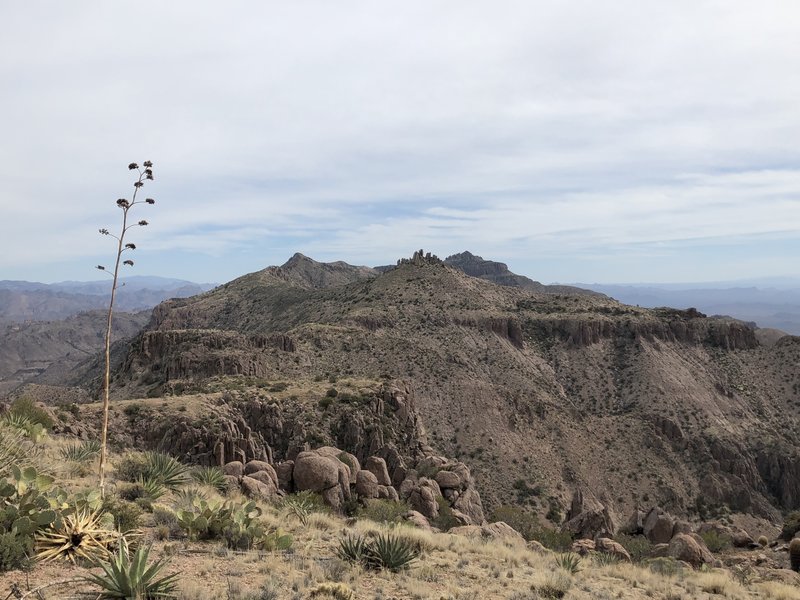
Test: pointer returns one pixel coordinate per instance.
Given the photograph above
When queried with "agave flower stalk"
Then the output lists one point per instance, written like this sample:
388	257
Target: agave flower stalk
144	173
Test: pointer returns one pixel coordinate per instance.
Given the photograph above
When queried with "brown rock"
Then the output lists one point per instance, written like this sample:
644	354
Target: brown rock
315	473
387	492
266	479
469	503
501	529
235	468
259	466
658	526
377	466
690	548
285	471
609	546
366	484
418	519
253	488
448	480
333	497
583	547
659	551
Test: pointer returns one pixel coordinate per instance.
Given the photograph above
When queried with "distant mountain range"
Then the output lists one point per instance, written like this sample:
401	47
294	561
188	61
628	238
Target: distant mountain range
22	301
770	303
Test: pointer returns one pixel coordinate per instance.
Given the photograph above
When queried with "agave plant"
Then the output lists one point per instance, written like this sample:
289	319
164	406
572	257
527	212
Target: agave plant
164	469
570	562
32	430
385	551
15	449
81	451
79	535
130	577
211	476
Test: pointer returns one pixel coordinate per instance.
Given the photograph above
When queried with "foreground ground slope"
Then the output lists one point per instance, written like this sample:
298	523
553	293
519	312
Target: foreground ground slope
543	394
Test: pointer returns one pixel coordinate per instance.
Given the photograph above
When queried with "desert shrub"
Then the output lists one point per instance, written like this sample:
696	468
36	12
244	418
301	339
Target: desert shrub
445	520
530	528
127	515
665	566
556	585
25	407
22	424
791	525
332	393
384	511
763	541
15	449
715	541
15	550
638	546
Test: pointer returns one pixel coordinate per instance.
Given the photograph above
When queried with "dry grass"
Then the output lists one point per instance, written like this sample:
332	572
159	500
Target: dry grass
450	568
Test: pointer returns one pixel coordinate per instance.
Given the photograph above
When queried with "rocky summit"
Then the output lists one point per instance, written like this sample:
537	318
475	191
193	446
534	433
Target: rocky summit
548	393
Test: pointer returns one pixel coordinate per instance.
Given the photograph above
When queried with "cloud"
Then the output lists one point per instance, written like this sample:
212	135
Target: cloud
360	131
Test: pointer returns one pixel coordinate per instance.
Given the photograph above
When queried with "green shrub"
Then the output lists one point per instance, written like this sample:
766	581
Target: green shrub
791	525
530	528
127	515
664	566
15	550
638	546
384	511
142	489
302	504
332	393
445	520
716	542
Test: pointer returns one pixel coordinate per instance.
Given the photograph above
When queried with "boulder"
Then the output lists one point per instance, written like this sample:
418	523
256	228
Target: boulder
501	529
231	482
285	472
417	519
259	466
635	525
253	488
583	546
588	518
691	549
377	466
423	498
659	551
366	484
315	472
266	479
469	503
234	468
615	549
387	492
658	526
448	480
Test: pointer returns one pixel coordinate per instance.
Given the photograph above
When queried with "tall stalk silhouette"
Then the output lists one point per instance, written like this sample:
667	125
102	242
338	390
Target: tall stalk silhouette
144	173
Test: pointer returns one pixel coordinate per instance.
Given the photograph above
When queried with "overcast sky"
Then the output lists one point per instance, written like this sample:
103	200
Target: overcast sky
616	141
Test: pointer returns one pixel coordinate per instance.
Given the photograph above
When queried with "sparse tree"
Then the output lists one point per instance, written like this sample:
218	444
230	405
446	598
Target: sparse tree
145	172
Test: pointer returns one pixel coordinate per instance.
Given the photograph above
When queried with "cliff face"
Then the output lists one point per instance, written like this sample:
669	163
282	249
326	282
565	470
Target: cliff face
567	391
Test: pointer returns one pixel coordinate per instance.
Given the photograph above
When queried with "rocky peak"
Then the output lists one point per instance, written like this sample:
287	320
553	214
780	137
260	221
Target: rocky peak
318	275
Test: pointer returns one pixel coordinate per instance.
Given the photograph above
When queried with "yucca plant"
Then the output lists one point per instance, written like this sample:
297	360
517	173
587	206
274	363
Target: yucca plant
78	535
130	577
210	476
15	449
148	489
81	451
570	562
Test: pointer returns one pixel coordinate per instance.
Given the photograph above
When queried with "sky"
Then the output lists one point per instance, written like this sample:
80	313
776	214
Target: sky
575	140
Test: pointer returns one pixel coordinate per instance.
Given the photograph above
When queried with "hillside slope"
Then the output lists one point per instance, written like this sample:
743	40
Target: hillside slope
543	394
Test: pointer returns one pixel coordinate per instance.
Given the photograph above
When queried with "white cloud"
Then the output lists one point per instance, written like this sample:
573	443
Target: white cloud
367	129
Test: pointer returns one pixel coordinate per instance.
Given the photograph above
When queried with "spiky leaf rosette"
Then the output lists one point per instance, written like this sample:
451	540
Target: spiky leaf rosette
80	535
130	576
